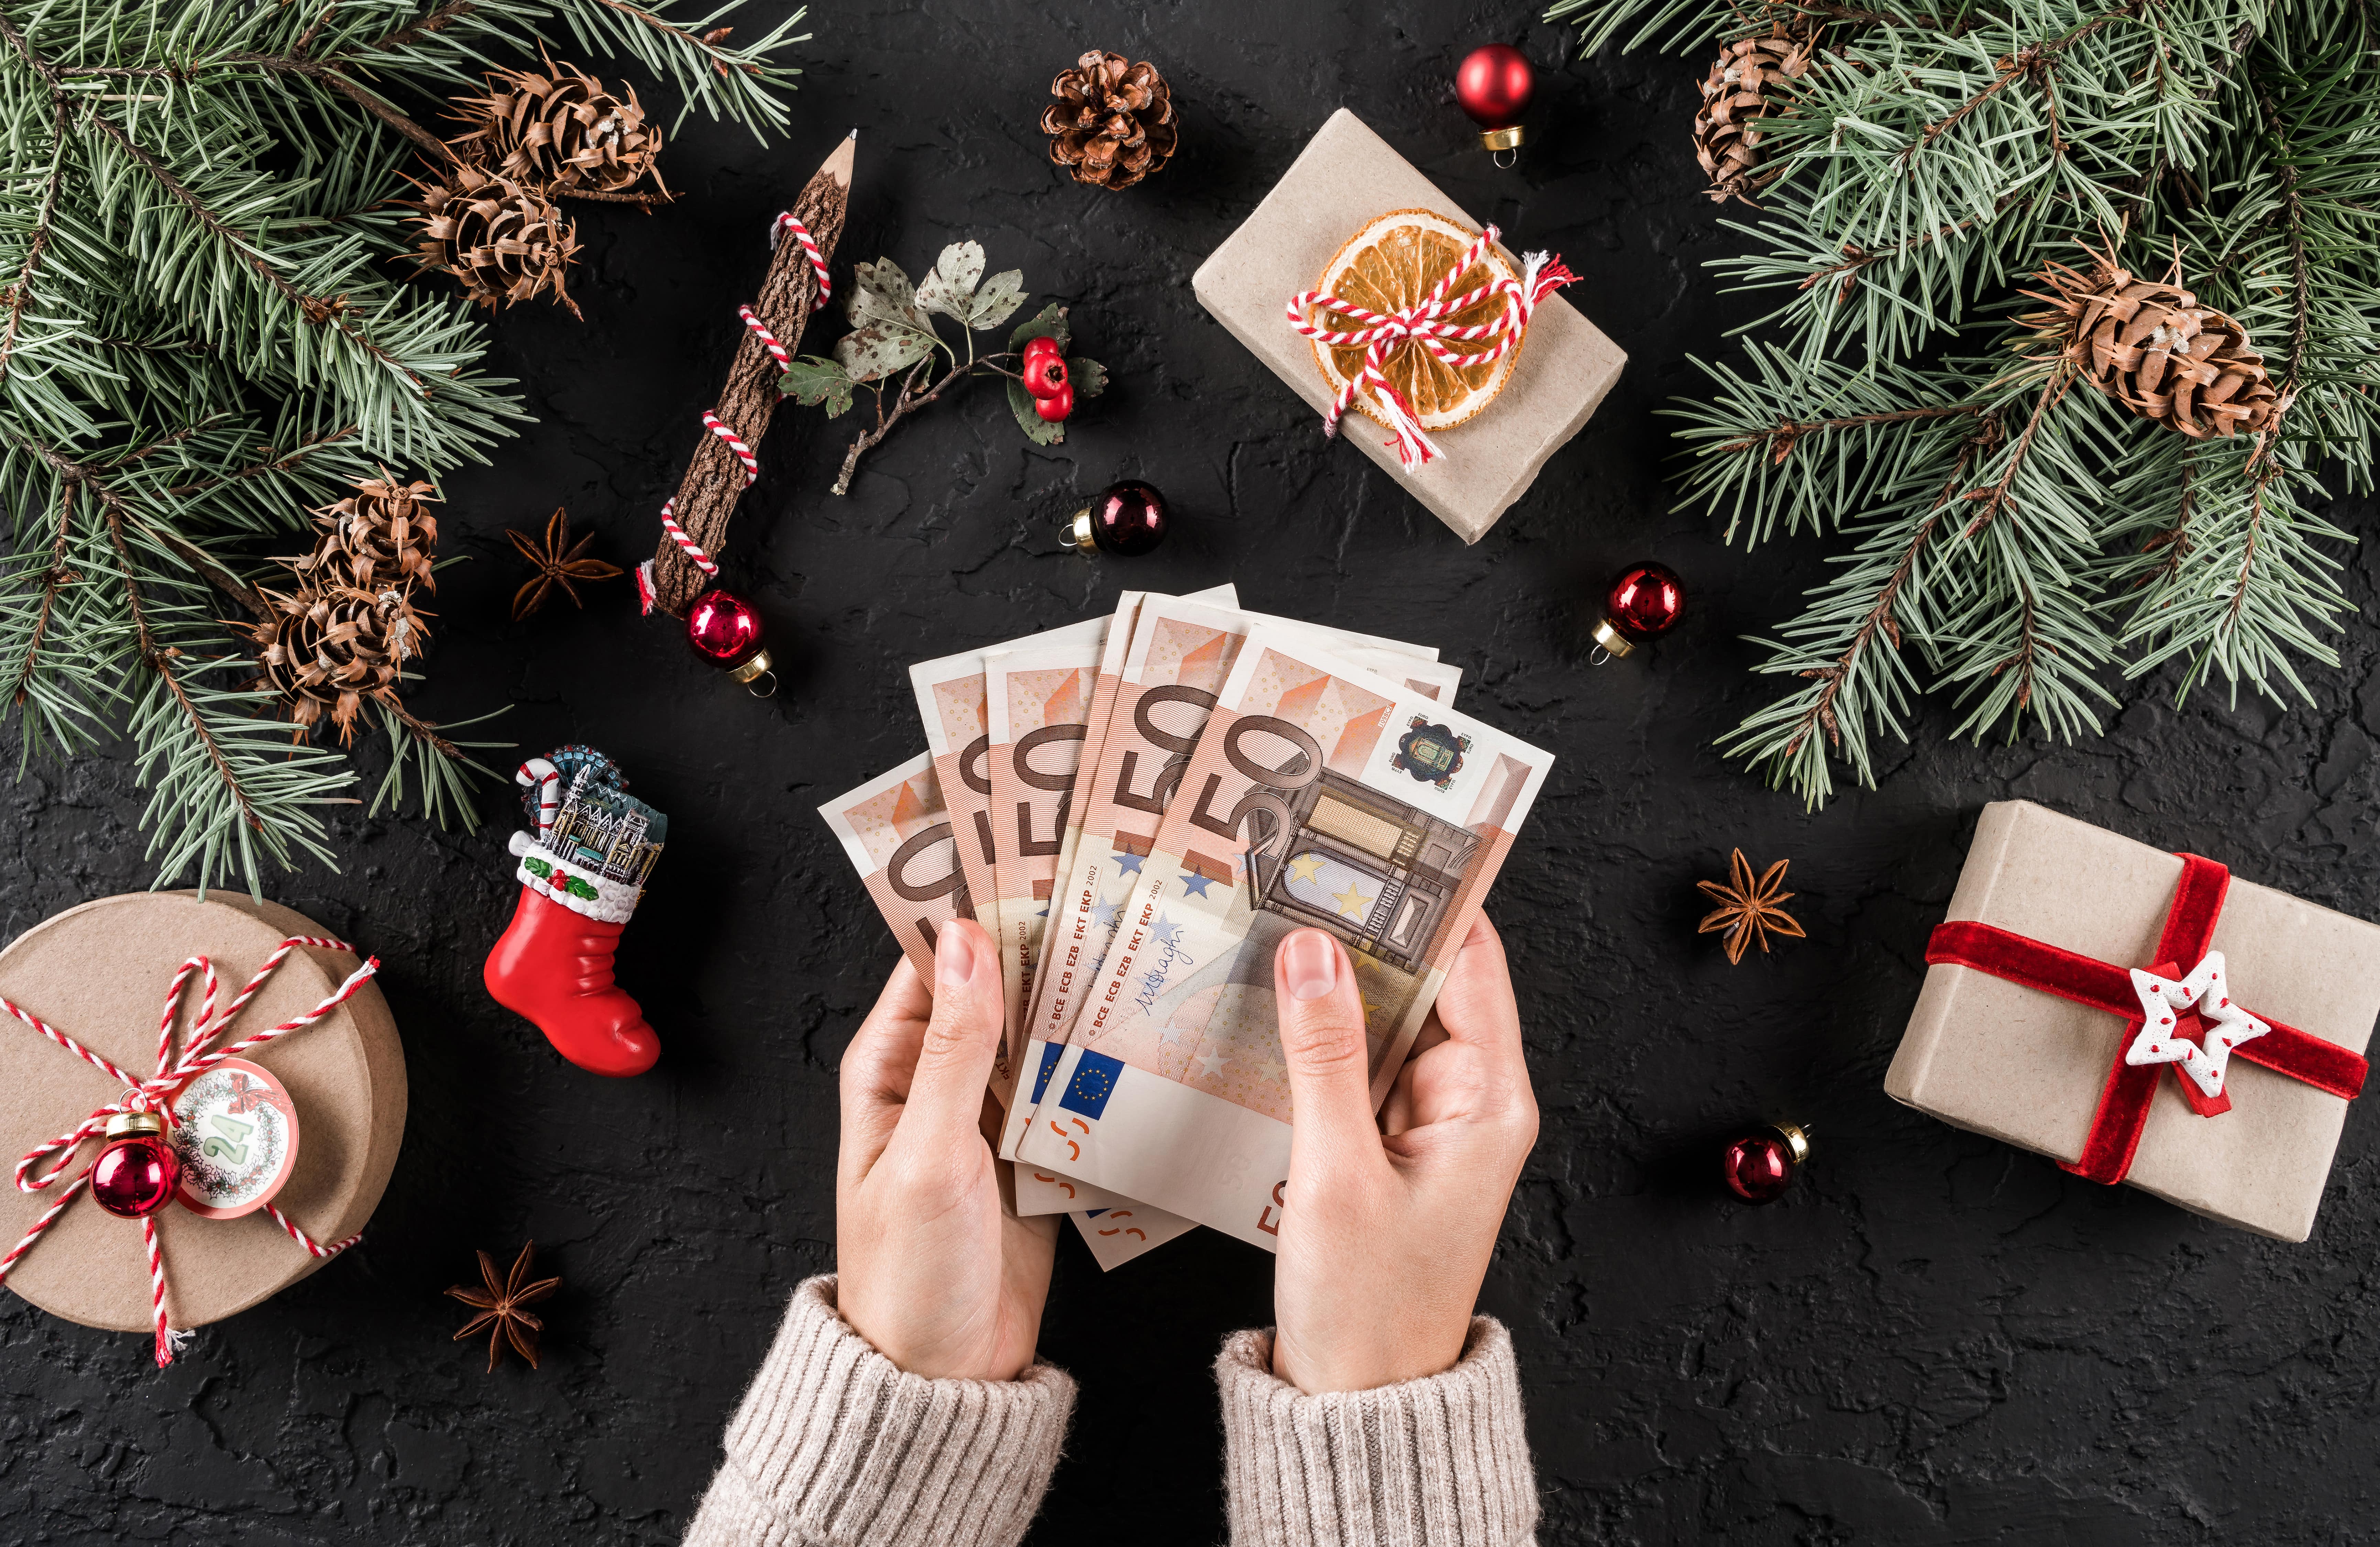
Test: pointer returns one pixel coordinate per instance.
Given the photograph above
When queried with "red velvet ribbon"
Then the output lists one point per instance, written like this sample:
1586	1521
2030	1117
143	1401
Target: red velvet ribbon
2124	1103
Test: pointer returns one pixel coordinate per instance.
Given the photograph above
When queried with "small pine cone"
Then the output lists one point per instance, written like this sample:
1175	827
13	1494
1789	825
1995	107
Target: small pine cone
559	131
326	651
382	535
1741	90
1112	124
2151	347
503	241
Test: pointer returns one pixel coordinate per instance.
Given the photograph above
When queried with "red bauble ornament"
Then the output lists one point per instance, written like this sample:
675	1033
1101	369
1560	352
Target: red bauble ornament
138	1172
726	631
1493	84
1127	519
1645	600
1760	1166
1053	406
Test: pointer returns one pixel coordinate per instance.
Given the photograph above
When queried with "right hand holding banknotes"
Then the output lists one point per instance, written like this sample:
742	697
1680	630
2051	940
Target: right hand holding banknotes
1391	1221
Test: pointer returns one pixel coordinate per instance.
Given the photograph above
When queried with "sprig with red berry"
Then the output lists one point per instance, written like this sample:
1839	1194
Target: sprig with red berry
895	347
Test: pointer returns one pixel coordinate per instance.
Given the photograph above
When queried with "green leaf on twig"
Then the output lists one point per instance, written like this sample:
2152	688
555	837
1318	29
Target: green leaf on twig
950	289
813	379
1048	322
1040	432
998	300
1087	377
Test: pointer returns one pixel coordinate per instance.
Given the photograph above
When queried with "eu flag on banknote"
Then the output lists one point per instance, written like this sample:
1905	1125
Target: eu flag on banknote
1050	1054
1094	1082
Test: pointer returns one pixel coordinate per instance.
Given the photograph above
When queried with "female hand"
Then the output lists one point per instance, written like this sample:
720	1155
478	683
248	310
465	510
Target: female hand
1389	1225
934	1272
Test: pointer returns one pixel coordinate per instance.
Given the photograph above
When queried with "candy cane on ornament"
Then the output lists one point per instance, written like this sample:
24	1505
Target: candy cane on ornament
156	1095
1380	333
547	779
645	584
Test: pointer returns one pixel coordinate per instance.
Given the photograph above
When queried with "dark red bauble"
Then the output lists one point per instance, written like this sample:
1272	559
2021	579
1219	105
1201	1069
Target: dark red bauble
1493	84
1759	1166
1127	520
723	628
136	1176
1646	600
1056	406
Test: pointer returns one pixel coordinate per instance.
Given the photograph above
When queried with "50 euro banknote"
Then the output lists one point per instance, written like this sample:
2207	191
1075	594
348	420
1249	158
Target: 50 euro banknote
953	704
898	836
1319	795
1180	655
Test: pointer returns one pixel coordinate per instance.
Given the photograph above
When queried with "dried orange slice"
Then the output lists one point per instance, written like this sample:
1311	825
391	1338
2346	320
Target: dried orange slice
1393	264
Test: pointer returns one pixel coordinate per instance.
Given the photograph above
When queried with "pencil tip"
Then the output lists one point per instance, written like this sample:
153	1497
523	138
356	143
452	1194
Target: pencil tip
854	134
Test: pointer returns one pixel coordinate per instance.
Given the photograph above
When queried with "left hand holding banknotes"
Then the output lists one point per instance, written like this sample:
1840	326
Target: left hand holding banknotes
933	1272
1389	1222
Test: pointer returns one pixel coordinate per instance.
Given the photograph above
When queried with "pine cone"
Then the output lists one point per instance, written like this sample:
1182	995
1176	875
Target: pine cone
503	241
382	535
327	651
558	132
2151	347
1113	122
1736	95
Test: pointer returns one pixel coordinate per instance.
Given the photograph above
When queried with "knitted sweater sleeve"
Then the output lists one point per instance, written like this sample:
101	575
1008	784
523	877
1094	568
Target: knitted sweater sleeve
1438	1462
836	1444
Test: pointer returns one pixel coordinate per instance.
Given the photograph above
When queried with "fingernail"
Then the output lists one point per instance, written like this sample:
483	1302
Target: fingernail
1310	962
954	957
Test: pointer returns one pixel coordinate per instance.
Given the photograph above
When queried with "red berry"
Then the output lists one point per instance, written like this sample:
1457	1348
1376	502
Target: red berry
1057	405
1045	376
1039	345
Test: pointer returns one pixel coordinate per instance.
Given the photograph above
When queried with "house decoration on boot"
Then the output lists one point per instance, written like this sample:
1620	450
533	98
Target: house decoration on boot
580	874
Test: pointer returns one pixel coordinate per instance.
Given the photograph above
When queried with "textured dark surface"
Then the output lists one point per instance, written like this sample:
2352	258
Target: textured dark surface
1936	1339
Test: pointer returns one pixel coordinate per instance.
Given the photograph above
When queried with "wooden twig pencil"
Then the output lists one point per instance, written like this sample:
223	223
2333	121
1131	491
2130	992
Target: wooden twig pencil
715	479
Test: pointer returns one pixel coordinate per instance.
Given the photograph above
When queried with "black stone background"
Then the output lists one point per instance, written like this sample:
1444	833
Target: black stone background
1936	1339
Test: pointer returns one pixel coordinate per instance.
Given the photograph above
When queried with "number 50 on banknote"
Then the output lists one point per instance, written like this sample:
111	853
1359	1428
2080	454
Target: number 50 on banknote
1319	795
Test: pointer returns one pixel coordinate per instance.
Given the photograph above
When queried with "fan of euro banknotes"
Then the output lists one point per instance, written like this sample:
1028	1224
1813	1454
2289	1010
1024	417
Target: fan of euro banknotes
1138	809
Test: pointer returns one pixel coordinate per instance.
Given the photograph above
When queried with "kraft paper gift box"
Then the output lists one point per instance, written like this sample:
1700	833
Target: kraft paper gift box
2029	1067
1345	177
98	973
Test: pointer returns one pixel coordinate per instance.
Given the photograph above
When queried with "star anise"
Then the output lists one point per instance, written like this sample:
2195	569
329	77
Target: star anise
1749	910
500	1306
558	564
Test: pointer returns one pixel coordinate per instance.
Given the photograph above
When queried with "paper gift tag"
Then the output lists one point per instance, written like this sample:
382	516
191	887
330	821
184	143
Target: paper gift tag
236	1132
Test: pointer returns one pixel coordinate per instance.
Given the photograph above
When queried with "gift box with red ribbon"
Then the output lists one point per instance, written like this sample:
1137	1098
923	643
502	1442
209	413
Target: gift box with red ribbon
2143	1017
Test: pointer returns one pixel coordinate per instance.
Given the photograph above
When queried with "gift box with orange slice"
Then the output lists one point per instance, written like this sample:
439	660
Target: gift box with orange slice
1412	331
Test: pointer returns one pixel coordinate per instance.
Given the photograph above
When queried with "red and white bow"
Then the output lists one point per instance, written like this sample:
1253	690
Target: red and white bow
156	1094
2166	1003
1423	324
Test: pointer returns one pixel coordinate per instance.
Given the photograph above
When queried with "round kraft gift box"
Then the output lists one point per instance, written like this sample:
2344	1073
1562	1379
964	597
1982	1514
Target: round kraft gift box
99	974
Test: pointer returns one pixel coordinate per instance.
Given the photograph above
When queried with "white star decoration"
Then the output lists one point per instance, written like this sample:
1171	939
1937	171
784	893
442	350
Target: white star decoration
2227	1024
1267	1068
1214	1063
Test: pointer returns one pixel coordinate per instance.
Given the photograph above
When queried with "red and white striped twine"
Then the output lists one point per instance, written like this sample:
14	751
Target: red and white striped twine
1381	334
711	420
156	1095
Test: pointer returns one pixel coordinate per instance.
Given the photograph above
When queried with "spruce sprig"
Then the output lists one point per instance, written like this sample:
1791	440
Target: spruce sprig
208	329
2014	537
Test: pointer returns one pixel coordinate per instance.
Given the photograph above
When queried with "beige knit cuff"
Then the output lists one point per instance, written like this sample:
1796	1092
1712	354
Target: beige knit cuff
835	1444
1439	1462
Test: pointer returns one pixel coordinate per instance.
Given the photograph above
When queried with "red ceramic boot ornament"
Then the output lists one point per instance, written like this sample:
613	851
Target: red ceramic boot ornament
580	875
